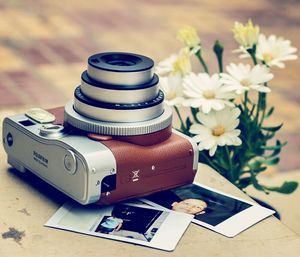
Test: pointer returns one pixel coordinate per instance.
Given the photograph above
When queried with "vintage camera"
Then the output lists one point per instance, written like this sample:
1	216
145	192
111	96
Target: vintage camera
112	142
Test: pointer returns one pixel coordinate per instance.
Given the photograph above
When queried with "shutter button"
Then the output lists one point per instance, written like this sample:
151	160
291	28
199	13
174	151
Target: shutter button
70	162
51	130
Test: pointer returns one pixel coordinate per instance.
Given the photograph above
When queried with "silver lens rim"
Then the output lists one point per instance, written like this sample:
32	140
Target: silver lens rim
119	94
117	128
137	73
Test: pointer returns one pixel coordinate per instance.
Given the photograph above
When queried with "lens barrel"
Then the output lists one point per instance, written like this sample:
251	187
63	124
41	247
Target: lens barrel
122	94
118	88
131	112
117	68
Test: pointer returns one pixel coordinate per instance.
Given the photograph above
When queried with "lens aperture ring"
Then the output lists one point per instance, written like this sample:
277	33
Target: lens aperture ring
119	93
113	112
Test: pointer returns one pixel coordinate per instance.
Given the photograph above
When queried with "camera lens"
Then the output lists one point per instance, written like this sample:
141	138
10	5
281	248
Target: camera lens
120	68
119	59
118	95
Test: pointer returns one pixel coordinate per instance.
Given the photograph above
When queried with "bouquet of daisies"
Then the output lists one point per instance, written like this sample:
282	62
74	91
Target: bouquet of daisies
227	110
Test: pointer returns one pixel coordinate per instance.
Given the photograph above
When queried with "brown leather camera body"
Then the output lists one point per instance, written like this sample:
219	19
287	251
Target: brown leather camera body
146	163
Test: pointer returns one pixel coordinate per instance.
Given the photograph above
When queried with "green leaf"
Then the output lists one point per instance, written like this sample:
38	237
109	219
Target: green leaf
250	155
269	135
254	165
275	152
256	184
275	147
270	162
244	182
260	169
270	112
287	187
273	129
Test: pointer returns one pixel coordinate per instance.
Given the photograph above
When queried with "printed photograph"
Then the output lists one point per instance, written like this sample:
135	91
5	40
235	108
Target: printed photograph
207	206
132	222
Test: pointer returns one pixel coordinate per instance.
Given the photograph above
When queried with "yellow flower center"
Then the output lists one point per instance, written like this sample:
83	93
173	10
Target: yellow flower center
218	131
245	82
209	94
267	57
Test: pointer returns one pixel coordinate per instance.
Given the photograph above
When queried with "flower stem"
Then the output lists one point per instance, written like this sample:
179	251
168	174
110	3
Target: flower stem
181	120
252	52
220	63
231	173
246	101
261	96
262	118
263	99
194	112
253	59
201	60
218	50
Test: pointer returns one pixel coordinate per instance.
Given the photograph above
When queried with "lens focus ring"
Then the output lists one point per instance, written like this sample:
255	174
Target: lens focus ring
112	112
119	93
118	68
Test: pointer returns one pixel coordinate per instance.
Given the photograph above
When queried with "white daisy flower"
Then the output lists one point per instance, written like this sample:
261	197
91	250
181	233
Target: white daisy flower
241	78
218	128
175	64
165	67
172	88
205	92
274	51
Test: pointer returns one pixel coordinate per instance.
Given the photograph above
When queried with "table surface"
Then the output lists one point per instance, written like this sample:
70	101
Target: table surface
27	203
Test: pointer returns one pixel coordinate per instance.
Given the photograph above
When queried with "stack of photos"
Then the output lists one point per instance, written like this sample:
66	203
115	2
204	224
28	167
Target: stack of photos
133	223
160	220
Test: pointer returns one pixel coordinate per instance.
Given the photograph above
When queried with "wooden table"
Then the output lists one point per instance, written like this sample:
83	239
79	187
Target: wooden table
27	203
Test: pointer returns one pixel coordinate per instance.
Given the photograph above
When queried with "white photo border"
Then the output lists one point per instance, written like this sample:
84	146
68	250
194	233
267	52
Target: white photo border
236	223
166	238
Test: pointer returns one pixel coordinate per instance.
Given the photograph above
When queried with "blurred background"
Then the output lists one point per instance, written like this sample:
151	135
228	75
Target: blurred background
44	46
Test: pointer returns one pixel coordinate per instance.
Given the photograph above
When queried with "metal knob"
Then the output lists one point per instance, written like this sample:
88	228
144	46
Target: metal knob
51	130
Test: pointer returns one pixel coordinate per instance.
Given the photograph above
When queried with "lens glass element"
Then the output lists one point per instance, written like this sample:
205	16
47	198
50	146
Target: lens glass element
120	59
